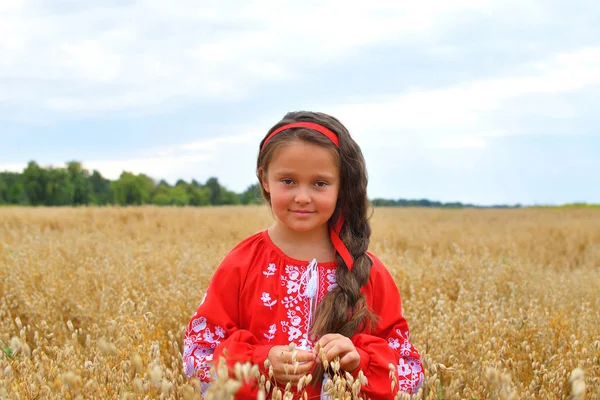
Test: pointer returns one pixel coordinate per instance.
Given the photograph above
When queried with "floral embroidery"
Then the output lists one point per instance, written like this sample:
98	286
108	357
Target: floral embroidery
268	302
292	326
331	282
394	343
403	368
292	282
271	269
198	359
209	336
272	331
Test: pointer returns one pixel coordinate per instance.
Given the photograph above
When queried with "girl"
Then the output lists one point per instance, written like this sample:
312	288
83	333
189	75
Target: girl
308	279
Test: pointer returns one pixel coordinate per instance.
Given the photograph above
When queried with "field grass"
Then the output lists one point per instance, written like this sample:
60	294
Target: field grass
94	302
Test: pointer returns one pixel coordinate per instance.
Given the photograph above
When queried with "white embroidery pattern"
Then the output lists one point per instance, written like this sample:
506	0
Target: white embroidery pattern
409	367
298	307
271	269
267	301
198	358
331	282
272	331
403	368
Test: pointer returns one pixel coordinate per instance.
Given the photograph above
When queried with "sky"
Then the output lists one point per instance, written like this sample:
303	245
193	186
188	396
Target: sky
478	101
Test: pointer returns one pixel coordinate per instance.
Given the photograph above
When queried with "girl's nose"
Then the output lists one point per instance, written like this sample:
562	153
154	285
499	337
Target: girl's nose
302	196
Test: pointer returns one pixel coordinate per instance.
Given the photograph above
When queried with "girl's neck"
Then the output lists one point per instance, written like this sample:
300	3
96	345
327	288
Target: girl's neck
303	245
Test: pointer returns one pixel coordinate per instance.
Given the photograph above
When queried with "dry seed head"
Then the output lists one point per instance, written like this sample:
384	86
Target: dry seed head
136	361
91	385
155	375
71	380
15	344
138	385
166	386
237	370
188	392
300	384
106	347
246	371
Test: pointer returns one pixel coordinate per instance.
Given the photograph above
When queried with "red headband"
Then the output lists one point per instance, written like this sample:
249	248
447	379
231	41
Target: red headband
310	125
334	231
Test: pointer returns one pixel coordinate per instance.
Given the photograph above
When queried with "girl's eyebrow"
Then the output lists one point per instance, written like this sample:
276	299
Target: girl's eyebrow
323	176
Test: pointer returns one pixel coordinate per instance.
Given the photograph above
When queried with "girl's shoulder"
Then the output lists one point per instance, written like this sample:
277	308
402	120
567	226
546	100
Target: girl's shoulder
255	249
379	272
245	249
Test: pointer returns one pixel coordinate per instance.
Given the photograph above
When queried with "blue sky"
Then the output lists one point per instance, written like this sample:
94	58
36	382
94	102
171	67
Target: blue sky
486	102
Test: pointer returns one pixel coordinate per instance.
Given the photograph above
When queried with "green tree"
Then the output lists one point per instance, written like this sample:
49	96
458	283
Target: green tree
161	196
34	183
230	198
59	188
199	196
132	189
216	191
11	188
179	196
252	195
79	177
100	188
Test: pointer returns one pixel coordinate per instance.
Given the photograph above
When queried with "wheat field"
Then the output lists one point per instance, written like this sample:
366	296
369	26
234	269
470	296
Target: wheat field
502	304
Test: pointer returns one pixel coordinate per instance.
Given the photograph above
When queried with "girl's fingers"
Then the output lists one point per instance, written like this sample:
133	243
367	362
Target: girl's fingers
335	348
300	356
325	339
293	375
350	359
303	356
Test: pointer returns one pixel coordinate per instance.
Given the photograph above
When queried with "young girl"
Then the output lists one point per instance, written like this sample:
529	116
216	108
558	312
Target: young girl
308	279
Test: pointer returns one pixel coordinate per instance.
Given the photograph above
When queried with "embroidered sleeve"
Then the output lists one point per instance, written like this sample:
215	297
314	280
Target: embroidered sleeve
213	331
388	344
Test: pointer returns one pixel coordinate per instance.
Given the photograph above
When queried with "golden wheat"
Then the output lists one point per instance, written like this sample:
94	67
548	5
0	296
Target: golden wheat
94	302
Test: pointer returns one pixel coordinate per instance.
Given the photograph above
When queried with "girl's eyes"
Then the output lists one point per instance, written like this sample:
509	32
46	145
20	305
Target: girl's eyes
318	183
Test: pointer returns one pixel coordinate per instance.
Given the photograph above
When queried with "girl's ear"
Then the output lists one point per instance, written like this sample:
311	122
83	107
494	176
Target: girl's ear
263	179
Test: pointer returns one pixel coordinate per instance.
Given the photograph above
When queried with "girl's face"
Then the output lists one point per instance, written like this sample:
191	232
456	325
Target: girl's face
303	181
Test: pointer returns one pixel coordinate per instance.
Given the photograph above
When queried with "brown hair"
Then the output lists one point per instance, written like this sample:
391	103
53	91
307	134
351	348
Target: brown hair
343	310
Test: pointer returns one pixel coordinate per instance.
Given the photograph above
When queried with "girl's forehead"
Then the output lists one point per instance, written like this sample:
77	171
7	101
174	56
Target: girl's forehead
302	154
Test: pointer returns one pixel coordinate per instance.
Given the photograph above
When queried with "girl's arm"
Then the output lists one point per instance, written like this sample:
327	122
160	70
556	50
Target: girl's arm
213	331
389	343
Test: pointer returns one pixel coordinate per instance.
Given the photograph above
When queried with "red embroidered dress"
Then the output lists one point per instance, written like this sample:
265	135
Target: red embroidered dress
259	298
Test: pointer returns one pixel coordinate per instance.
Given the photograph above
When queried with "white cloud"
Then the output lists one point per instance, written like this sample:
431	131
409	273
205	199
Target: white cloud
460	115
72	58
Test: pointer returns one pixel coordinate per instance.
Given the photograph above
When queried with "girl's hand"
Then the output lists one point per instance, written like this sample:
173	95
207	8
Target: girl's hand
333	345
285	369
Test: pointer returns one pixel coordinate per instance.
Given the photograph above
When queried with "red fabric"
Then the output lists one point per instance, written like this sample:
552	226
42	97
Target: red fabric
256	300
310	125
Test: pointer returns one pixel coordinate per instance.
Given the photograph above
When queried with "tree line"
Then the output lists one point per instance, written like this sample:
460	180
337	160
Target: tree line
74	185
